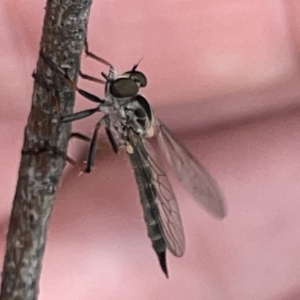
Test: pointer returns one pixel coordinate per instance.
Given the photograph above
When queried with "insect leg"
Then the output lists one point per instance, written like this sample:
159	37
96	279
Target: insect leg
92	149
112	139
91	78
64	73
93	146
93	56
109	133
55	151
69	159
79	115
99	59
89	96
80	136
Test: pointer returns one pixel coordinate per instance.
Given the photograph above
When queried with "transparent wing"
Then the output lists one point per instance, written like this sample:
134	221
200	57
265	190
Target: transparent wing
156	190
190	172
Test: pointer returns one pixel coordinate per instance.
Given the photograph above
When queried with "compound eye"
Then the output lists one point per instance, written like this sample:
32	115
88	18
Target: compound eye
137	76
123	87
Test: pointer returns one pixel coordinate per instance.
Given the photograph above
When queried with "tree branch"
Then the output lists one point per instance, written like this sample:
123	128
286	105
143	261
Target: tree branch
64	32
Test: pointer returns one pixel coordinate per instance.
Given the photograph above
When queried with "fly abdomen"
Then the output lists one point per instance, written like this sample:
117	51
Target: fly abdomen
153	229
148	196
154	233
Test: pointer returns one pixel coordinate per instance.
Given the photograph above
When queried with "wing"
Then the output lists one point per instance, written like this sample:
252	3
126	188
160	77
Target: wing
156	194
190	172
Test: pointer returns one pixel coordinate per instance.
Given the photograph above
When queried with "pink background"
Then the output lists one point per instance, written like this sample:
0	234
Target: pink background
224	75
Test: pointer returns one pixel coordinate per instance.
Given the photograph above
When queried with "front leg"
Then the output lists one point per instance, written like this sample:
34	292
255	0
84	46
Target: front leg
93	56
91	78
64	73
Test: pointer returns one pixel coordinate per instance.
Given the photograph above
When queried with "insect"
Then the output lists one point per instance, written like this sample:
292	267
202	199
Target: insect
130	123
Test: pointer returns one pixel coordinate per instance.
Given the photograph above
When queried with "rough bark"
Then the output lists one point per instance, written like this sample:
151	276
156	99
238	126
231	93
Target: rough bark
64	32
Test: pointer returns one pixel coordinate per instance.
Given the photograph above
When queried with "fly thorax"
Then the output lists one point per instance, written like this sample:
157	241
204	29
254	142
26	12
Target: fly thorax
117	118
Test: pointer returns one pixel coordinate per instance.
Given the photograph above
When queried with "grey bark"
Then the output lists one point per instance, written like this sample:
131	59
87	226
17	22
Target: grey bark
64	32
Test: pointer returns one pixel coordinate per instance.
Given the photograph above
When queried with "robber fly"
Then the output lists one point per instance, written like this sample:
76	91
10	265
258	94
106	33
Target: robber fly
130	123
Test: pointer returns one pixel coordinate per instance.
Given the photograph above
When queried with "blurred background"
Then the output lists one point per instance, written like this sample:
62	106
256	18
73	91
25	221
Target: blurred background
224	76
